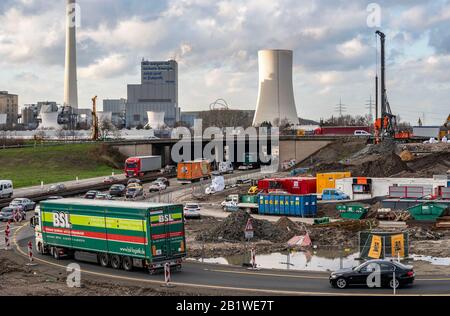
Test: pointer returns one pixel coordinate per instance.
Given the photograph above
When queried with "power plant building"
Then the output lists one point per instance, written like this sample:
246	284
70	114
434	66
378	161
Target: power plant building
158	92
276	91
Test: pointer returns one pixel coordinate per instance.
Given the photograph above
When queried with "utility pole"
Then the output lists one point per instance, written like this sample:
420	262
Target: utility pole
370	105
341	108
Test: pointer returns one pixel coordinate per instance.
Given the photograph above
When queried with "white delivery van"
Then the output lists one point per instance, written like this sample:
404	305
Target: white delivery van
6	189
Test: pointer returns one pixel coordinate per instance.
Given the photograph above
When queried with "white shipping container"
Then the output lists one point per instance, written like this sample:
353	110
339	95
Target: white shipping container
380	186
426	131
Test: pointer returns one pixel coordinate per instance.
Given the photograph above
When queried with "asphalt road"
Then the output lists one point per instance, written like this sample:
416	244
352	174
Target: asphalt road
236	279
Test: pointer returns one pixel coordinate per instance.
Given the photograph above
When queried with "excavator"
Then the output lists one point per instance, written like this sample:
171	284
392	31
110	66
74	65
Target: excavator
95	128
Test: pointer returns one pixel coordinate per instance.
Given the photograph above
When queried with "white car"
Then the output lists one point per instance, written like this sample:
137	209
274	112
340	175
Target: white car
361	133
6	189
157	186
192	210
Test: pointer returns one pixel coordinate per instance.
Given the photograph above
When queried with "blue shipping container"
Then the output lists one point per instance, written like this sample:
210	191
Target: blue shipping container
288	205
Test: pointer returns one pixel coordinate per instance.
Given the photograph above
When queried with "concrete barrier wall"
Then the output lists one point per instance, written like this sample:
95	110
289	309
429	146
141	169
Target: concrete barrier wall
136	149
300	150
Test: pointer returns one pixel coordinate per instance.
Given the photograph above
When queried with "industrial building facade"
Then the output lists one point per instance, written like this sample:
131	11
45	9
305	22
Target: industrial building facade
158	92
9	106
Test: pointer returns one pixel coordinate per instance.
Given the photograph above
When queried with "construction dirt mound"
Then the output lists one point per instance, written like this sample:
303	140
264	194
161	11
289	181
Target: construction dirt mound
378	166
386	166
232	229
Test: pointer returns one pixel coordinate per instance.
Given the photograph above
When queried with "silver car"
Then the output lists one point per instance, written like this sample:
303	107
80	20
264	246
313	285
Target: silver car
56	188
26	204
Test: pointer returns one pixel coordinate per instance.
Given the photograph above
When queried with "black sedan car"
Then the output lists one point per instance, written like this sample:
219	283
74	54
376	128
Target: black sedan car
90	195
117	190
365	274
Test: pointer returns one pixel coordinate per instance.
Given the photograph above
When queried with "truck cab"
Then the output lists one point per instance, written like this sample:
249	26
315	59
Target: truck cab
36	223
334	195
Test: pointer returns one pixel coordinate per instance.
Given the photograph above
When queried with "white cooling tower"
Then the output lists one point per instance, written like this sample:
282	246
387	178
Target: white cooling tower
104	116
156	119
276	91
49	120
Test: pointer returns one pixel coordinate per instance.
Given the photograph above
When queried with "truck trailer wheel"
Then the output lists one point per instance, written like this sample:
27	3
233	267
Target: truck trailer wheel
55	253
40	248
103	259
127	263
116	262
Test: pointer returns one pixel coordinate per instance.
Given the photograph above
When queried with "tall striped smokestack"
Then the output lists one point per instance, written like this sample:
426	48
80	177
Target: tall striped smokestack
70	77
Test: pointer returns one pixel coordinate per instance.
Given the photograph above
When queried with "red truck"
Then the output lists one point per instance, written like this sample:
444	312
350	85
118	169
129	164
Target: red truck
296	185
139	166
340	130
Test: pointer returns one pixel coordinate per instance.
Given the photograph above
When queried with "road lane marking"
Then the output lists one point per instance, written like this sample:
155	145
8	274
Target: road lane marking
214	287
269	274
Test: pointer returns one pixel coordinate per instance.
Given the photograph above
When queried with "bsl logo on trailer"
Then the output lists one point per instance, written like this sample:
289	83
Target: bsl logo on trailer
61	219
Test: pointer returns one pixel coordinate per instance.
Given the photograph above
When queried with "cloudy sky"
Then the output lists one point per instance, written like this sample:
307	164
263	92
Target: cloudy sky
216	45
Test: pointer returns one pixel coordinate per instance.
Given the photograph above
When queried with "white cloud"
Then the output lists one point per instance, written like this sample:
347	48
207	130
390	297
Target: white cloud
216	44
106	68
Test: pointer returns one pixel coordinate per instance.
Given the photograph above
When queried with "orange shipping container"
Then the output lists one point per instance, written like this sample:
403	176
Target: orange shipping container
191	171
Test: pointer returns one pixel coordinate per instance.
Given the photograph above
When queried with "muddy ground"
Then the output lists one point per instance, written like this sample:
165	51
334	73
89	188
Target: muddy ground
18	279
203	237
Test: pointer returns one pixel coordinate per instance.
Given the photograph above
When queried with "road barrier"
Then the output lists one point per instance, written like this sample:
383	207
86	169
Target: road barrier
253	254
7	232
30	251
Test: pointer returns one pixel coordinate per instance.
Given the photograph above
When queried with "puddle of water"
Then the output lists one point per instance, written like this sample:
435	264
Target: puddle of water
433	260
307	261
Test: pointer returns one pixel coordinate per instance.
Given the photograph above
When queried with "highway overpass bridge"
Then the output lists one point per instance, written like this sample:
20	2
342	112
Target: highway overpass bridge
288	147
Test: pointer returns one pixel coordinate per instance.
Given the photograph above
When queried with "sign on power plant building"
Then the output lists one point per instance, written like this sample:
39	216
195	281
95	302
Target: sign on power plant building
157	92
159	72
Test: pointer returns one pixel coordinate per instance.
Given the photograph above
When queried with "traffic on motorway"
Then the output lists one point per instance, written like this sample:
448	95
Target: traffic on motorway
122	230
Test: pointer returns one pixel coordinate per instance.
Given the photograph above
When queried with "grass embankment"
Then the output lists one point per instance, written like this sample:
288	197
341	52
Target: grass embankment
29	166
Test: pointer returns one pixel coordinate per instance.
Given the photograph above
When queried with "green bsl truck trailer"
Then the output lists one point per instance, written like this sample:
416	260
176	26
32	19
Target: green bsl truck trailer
122	234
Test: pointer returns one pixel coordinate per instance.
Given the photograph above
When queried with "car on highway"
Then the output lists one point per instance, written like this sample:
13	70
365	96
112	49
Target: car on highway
56	188
157	186
6	189
103	196
134	192
110	179
55	197
91	195
12	214
243	181
361	133
169	169
25	203
192	211
164	180
117	190
133	181
359	275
